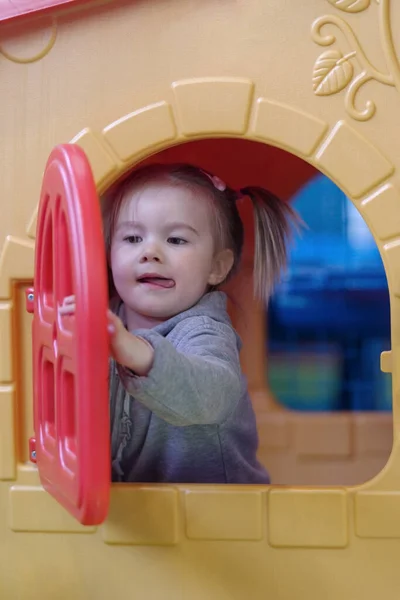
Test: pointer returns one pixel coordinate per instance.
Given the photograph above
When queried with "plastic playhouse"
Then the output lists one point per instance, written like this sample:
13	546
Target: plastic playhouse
262	92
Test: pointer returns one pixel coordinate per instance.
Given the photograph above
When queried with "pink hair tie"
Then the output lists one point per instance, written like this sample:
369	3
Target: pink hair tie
216	181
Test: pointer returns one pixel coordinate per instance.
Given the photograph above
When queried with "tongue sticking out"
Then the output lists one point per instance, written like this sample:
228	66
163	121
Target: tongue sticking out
158	281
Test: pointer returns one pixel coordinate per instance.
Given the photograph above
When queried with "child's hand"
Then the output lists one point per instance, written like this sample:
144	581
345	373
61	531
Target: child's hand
127	349
68	306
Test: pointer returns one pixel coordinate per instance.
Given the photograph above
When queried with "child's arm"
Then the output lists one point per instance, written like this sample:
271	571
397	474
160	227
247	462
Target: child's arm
197	384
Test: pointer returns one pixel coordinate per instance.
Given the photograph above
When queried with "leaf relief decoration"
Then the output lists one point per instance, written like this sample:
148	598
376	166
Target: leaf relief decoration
335	70
350	6
332	72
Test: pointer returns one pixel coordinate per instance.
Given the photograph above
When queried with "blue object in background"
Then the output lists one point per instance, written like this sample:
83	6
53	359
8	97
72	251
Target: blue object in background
306	376
331	310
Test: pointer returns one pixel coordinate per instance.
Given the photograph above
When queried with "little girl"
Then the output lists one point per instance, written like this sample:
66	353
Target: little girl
180	409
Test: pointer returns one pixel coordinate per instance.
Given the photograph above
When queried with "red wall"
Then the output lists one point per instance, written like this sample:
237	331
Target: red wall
242	162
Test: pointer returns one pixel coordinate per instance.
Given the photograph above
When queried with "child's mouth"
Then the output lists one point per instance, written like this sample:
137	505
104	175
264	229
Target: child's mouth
156	281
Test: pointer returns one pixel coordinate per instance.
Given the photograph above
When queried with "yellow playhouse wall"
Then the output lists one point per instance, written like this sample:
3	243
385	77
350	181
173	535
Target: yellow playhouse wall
125	80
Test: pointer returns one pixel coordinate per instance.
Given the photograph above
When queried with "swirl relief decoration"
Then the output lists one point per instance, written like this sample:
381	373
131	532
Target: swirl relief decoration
24	44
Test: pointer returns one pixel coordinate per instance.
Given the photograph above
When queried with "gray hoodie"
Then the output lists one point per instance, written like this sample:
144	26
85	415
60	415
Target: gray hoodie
190	420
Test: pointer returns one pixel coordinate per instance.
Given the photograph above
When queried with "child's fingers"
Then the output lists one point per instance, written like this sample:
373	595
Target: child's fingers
68	309
113	317
68	306
114	322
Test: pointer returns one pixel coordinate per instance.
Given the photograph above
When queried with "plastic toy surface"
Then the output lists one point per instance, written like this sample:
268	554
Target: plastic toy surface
319	79
70	354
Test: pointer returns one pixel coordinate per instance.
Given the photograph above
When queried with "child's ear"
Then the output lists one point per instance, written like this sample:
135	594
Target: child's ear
223	263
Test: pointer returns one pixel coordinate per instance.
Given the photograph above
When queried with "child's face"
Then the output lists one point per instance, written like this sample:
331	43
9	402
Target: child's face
163	252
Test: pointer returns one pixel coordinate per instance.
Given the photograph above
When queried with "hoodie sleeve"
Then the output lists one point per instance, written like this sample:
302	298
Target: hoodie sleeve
198	382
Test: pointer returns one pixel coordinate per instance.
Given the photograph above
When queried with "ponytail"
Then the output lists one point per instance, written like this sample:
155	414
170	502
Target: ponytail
272	223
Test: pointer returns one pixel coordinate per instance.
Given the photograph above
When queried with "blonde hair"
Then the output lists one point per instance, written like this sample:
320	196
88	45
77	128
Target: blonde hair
272	218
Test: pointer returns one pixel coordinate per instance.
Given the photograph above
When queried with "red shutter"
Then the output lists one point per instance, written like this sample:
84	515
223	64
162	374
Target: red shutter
70	353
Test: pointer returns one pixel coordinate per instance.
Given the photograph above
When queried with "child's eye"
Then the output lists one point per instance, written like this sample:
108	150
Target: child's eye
132	239
176	241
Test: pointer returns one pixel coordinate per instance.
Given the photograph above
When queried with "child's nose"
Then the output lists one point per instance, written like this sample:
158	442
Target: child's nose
151	253
147	257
